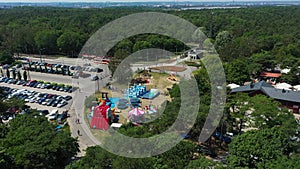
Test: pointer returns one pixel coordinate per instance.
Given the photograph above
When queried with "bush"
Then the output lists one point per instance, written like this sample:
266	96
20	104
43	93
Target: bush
192	64
16	62
61	85
54	84
40	81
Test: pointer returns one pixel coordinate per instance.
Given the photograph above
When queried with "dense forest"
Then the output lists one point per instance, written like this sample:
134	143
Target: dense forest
248	41
264	36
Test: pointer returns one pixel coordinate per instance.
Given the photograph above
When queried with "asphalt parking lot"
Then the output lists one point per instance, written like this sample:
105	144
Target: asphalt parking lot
34	91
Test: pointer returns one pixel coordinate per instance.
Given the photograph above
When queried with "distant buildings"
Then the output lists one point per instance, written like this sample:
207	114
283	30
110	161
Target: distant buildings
287	98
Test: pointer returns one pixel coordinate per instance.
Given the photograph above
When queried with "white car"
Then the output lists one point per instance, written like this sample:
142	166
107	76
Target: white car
52	115
45	102
32	100
39	85
62	103
28	98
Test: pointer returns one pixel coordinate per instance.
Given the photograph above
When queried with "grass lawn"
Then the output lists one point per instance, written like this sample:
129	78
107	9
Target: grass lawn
170	68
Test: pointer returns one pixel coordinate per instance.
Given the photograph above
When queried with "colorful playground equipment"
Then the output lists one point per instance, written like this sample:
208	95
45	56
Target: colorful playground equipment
150	109
139	91
136	115
151	94
135	91
172	77
103	115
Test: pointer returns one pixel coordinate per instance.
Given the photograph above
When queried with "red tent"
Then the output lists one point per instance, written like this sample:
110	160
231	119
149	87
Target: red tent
99	123
99	119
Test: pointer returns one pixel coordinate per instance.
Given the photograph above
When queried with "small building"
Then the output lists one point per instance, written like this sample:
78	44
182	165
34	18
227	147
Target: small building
195	54
287	98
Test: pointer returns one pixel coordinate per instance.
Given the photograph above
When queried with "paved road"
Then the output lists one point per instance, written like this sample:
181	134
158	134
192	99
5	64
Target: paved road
86	138
186	74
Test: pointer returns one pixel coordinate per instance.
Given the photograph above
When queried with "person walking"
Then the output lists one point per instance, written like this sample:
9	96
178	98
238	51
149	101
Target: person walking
78	132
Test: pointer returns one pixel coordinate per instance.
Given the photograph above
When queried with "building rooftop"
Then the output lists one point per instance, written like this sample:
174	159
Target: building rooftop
269	90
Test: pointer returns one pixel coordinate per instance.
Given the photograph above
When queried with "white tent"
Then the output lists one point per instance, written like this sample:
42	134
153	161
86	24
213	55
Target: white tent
232	85
285	86
297	87
285	71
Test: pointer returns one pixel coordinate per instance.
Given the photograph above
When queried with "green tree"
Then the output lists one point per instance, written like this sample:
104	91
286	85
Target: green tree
46	68
6	58
179	156
69	42
19	75
25	75
28	143
237	106
293	77
222	39
14	74
265	59
267	114
255	148
5	160
130	163
7	73
139	45
51	68
280	163
95	157
29	65
46	39
237	71
202	163
1	71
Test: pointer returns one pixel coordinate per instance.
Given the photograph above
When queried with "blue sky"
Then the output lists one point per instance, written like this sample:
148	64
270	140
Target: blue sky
39	1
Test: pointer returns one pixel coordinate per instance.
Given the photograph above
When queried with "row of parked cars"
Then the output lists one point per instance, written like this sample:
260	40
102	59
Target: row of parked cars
37	97
36	84
86	67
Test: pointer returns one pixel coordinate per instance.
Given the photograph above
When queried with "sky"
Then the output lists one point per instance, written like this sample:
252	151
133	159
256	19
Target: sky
41	1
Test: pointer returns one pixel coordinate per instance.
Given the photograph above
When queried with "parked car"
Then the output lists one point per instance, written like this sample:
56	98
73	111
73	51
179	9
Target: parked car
62	116
52	115
45	101
62	103
43	112
68	98
93	78
31	83
71	90
50	102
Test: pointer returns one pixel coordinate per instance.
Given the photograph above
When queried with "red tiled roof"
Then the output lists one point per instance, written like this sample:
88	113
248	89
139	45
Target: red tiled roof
268	74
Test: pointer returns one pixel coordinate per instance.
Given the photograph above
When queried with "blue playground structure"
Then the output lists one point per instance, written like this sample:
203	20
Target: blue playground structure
135	91
139	91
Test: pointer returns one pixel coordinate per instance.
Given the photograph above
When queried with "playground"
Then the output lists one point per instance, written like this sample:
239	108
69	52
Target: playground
137	103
